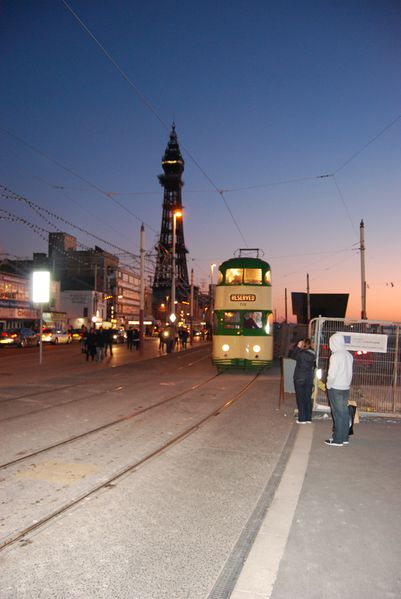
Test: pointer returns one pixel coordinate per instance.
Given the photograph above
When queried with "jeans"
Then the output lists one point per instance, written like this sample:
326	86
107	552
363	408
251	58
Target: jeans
303	393
338	399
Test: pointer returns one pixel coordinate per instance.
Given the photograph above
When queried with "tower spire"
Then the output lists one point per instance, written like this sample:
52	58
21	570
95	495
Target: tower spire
171	180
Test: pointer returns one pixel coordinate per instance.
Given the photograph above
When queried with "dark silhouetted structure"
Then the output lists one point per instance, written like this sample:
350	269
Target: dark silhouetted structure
332	305
173	167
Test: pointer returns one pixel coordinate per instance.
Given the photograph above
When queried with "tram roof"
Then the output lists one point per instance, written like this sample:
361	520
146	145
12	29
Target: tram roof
245	263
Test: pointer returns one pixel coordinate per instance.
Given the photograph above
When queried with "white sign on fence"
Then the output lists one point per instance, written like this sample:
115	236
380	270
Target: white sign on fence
366	342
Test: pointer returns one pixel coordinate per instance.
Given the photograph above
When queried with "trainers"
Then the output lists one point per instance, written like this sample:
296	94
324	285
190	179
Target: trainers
301	422
331	442
345	442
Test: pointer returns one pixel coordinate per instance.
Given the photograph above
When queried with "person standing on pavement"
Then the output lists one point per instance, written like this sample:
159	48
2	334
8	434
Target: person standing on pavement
91	344
100	342
130	338
338	383
304	356
108	341
135	338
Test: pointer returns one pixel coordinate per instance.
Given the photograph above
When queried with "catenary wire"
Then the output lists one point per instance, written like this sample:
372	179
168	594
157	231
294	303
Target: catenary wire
148	104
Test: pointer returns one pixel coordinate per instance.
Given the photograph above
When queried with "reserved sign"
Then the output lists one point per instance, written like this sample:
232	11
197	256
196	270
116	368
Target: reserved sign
243	297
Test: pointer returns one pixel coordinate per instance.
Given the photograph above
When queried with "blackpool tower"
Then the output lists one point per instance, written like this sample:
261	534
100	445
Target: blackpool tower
171	181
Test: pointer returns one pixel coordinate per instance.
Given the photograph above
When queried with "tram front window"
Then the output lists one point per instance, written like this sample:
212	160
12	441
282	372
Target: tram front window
253	276
231	320
234	276
253	320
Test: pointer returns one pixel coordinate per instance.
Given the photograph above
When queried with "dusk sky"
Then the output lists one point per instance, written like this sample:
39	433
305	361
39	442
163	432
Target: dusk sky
267	97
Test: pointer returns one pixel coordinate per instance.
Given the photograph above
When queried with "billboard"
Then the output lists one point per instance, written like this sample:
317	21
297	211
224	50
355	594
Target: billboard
331	305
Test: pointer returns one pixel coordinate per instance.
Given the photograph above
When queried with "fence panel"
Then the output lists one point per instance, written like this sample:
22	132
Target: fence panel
376	381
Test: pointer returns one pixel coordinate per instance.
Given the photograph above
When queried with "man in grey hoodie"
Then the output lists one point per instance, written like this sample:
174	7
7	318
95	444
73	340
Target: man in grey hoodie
338	384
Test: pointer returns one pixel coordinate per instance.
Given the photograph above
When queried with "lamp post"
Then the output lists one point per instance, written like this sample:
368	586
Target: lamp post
173	318
211	302
41	295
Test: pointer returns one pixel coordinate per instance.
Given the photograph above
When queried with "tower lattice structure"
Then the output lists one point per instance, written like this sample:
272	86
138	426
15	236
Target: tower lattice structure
171	181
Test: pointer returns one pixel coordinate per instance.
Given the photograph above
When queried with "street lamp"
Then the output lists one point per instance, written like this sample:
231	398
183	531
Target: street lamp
212	267
173	318
41	295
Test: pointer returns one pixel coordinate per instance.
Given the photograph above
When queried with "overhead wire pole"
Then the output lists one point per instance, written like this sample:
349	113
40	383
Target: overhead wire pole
191	312
142	291
363	281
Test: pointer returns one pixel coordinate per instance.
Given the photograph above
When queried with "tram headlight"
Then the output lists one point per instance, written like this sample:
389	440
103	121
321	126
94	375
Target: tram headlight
256	349
225	347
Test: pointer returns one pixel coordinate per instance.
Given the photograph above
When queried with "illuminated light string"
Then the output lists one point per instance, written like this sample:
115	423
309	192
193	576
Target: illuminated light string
39	210
8	194
44	234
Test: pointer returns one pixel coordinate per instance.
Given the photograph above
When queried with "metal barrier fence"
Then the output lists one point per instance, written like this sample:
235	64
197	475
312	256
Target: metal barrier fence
376	381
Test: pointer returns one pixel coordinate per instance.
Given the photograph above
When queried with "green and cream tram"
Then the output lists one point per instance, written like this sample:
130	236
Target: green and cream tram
243	316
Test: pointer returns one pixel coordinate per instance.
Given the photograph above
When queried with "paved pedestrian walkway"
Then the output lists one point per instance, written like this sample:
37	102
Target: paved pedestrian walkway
333	528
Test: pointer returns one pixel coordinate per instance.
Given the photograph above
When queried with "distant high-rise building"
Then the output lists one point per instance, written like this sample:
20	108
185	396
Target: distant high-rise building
171	181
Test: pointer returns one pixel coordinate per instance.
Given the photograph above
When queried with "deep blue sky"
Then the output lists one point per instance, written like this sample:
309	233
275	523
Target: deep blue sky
261	93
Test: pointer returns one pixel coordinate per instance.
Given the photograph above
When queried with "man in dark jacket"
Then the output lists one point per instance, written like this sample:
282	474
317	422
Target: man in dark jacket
108	341
304	356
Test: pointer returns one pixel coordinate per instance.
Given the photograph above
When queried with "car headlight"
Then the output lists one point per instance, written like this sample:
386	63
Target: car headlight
256	348
225	347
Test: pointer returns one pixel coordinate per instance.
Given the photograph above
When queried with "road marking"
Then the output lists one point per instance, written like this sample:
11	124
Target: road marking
259	573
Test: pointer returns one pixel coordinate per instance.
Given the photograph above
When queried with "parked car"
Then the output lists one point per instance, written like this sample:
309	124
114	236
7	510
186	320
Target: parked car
56	336
20	337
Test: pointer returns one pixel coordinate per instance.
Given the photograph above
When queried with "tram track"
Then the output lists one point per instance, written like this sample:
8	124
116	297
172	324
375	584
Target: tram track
124	418
72	401
20	535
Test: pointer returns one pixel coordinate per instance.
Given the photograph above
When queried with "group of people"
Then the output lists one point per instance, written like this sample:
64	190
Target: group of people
338	384
133	338
168	338
96	343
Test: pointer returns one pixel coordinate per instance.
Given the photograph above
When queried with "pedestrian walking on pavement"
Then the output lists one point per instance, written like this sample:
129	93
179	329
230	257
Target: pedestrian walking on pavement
305	358
91	344
130	338
338	384
108	341
135	338
100	342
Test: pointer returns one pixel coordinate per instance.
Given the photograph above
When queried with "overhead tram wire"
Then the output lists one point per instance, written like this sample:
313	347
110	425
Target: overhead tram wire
44	234
116	65
386	128
150	107
71	172
11	195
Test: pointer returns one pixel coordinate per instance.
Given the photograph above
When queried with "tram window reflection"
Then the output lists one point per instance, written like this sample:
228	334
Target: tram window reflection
231	320
234	276
253	320
253	276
